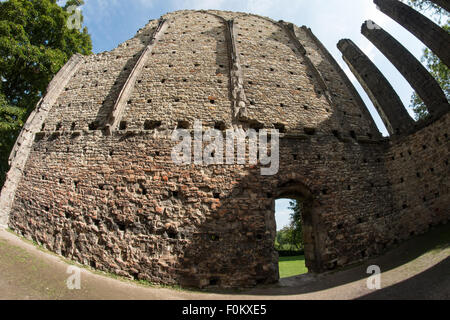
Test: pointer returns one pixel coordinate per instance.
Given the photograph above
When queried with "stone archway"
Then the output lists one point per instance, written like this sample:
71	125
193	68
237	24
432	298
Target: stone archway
294	189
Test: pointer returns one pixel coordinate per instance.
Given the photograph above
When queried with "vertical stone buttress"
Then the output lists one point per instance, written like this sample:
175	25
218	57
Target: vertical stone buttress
19	154
351	88
433	36
289	29
236	77
116	114
378	88
414	72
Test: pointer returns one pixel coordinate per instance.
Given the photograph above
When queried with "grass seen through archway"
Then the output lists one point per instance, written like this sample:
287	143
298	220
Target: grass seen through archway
292	266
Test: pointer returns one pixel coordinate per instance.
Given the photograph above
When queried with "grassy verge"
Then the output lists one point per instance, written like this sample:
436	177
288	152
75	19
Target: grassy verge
292	266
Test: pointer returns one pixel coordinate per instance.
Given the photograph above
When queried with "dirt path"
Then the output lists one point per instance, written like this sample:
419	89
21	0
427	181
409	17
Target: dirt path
417	269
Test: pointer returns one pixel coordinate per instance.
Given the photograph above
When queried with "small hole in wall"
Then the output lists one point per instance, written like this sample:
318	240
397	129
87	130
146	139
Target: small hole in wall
216	195
172	234
214	237
72	127
163	80
94	125
280	127
220	125
295	156
149	101
151	124
353	134
122	125
212	101
58	126
183	124
335	133
177	99
121	226
424	147
214	281
310	131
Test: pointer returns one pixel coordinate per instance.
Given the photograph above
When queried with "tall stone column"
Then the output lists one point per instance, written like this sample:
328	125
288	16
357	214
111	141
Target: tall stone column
432	35
378	88
414	72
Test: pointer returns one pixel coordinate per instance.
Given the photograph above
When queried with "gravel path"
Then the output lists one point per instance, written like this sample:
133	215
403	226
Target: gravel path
417	269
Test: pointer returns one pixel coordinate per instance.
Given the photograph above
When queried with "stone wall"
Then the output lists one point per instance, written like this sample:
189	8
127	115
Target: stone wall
115	200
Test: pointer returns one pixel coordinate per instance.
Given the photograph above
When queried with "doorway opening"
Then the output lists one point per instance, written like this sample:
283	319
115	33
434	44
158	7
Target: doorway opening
294	207
289	237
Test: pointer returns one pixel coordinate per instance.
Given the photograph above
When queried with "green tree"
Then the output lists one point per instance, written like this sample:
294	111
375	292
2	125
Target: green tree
291	236
297	222
35	42
434	65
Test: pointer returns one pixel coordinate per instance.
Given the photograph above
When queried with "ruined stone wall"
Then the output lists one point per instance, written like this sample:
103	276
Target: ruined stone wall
114	199
418	171
119	204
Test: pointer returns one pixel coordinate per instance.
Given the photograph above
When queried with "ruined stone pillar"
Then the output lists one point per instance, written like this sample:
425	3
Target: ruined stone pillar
433	36
237	78
442	3
378	88
127	89
414	72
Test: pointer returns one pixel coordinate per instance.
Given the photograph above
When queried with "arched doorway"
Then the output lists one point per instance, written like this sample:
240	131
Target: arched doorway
309	220
289	238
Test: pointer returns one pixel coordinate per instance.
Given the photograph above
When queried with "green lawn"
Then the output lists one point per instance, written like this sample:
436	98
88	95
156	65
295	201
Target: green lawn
292	266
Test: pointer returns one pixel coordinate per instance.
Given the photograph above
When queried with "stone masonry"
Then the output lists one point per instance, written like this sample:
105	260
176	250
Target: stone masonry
92	177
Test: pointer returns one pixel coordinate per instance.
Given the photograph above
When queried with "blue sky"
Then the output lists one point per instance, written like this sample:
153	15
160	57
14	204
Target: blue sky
111	22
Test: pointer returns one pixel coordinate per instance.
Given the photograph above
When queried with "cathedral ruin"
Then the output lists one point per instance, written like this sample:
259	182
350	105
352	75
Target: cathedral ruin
92	177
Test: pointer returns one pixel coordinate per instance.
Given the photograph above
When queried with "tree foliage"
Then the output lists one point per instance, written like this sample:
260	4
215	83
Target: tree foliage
35	42
434	65
291	236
